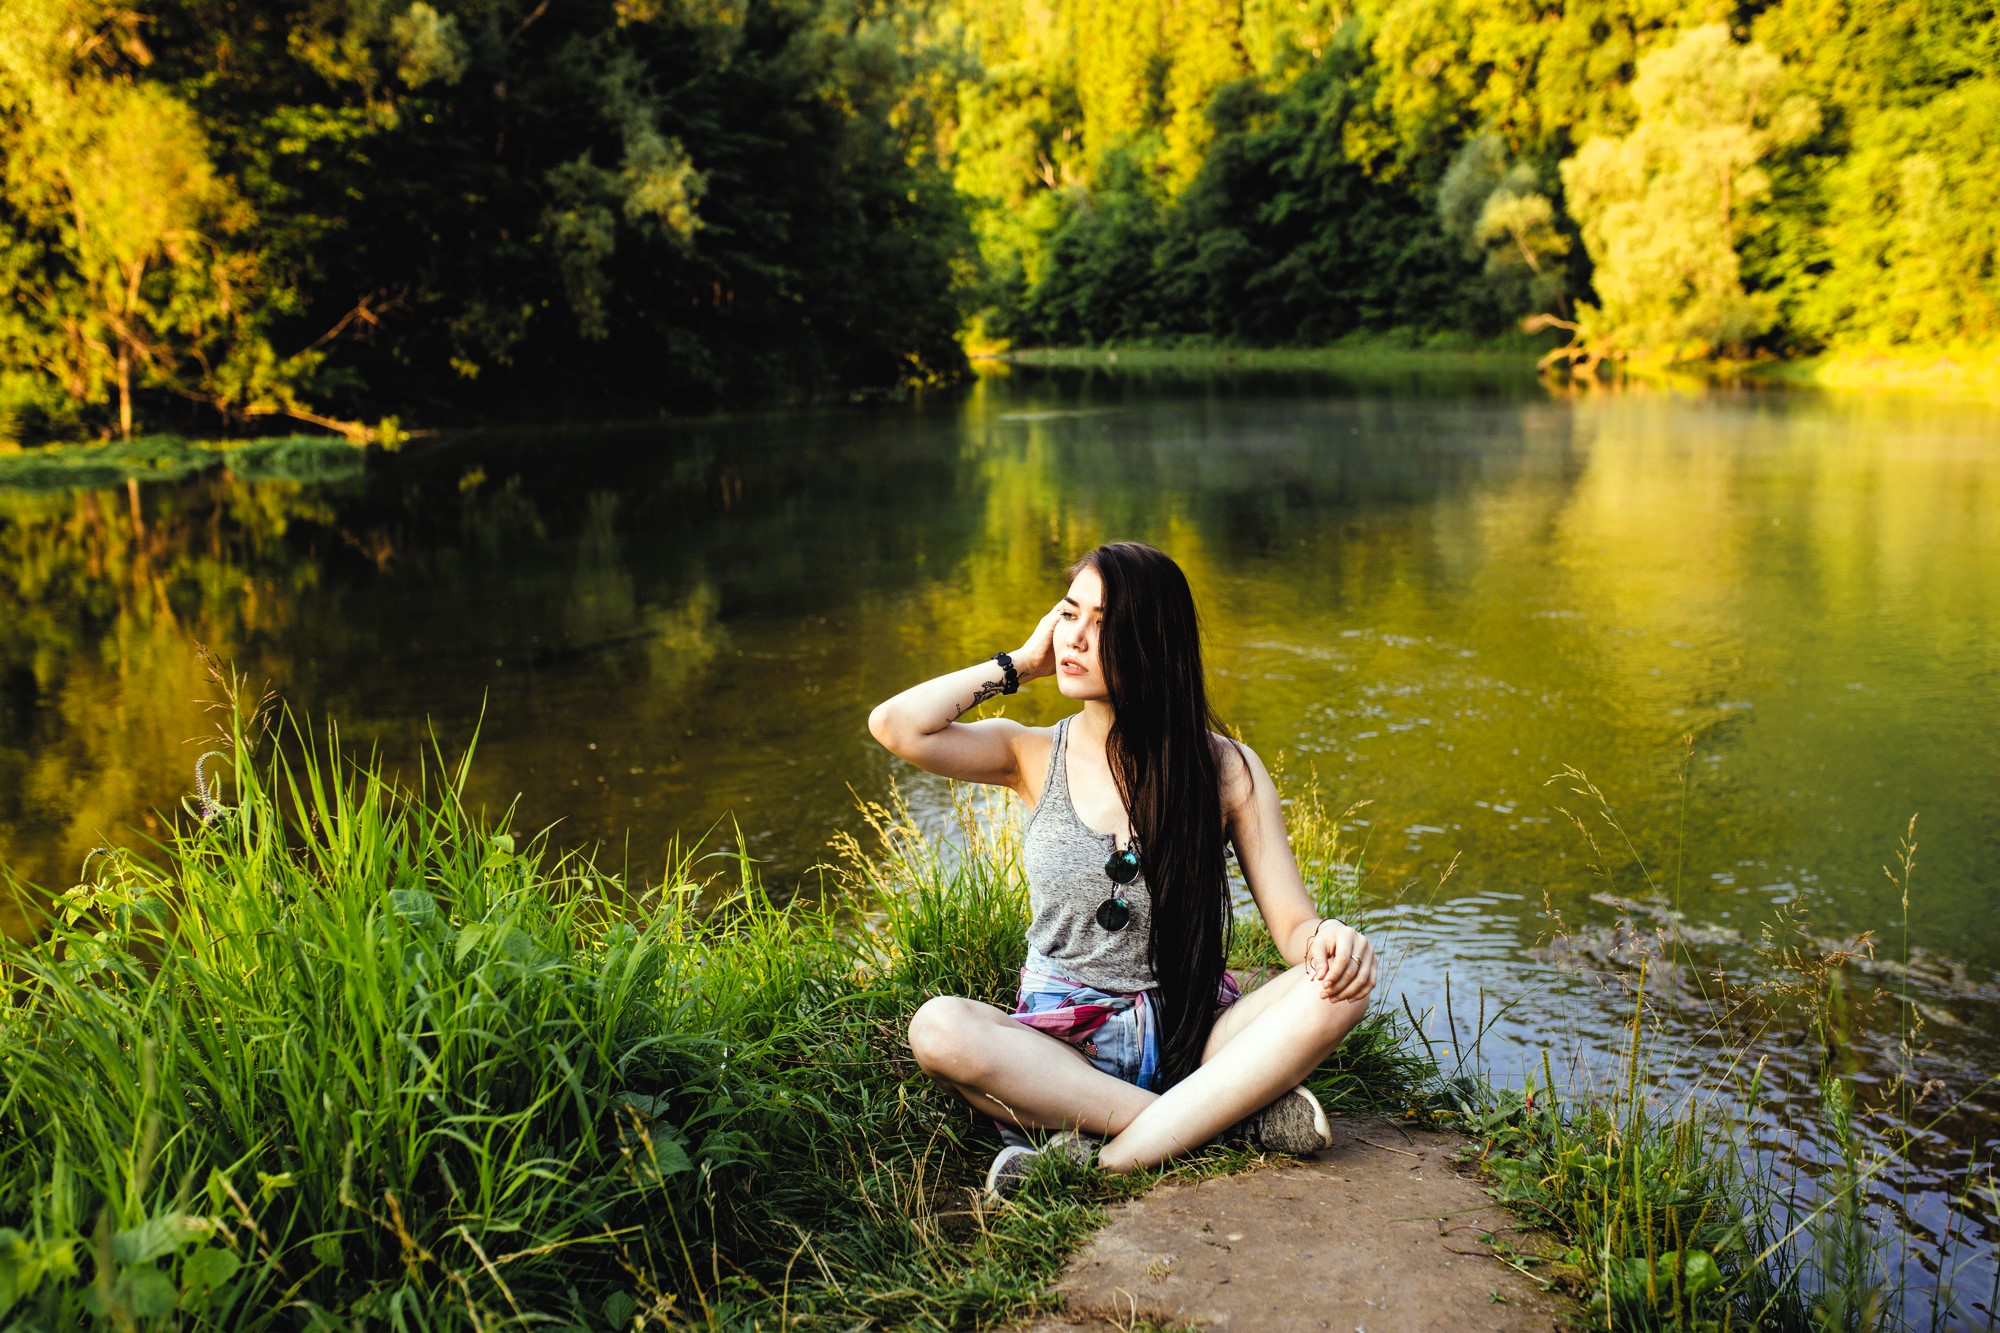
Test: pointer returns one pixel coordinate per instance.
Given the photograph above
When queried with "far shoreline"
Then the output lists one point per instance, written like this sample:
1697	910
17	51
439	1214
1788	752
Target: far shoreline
1949	375
1944	373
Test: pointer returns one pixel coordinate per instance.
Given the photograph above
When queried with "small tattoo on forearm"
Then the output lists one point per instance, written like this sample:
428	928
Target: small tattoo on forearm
980	696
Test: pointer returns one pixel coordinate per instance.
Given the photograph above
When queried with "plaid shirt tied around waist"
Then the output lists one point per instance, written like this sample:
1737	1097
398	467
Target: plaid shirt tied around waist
1073	1012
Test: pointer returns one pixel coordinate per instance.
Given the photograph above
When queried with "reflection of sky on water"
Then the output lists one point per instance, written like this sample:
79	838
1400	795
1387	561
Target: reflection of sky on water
1430	593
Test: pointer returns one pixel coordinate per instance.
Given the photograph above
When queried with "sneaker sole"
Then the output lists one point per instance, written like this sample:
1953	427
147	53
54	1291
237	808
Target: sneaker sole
1295	1124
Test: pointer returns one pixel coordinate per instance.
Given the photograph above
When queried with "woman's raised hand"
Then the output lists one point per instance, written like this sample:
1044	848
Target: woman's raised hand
1341	960
1037	657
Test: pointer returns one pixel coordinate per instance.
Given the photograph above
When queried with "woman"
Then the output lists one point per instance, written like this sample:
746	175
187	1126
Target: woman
1132	802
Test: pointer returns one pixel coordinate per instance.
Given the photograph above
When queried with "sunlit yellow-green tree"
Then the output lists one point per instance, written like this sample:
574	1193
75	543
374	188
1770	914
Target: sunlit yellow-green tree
1542	74
141	278
1205	39
1913	227
1121	49
1663	207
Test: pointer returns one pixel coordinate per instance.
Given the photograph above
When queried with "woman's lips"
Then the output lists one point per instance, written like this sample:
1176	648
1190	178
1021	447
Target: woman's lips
1069	668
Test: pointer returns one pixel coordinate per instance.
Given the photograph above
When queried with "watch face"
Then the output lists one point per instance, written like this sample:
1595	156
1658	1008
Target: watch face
1114	913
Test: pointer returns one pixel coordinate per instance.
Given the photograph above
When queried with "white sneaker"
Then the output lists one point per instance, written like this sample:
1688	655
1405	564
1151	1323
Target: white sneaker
1012	1163
1295	1123
1010	1168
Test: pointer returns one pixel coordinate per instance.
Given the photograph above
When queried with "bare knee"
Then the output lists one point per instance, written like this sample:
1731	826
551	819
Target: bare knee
1325	1023
1118	1162
944	1037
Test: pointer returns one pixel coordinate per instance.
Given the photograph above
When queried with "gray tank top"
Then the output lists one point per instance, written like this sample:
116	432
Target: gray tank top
1064	861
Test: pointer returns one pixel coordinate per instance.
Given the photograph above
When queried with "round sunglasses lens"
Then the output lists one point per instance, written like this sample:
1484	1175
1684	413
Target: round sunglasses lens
1123	867
1113	913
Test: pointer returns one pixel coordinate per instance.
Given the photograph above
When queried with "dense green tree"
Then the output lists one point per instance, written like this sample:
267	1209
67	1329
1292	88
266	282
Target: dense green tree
1498	210
343	209
131	259
1282	236
1278	237
1662	207
1912	235
1882	231
625	202
1543	74
475	205
1703	207
1098	276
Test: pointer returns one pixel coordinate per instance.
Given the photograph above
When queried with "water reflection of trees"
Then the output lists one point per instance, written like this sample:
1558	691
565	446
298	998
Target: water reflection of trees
100	597
588	588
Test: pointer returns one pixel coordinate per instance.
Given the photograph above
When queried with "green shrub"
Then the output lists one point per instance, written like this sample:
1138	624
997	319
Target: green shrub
348	1053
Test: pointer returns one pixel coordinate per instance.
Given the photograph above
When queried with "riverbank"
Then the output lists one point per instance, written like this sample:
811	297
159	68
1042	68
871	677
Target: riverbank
1967	373
1964	373
1377	354
155	458
1388	1229
360	1051
1511	360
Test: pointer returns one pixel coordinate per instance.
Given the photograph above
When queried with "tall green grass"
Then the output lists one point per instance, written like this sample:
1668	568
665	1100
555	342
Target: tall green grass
342	1053
345	1054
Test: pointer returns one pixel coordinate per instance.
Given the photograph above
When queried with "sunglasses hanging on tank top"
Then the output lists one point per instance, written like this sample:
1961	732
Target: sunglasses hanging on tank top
1121	867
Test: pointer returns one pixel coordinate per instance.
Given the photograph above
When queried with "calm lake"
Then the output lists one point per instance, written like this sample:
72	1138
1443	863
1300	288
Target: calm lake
1433	591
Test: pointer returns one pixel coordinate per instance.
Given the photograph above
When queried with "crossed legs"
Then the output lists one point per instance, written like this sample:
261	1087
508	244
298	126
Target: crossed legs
1262	1045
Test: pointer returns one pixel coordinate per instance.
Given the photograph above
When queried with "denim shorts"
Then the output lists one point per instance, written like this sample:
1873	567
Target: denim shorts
1118	1032
1126	1046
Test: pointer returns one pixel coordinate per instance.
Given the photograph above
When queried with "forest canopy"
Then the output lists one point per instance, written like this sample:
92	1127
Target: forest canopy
247	213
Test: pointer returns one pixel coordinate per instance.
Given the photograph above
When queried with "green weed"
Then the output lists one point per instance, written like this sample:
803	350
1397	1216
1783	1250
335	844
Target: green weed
155	458
1664	1219
347	1054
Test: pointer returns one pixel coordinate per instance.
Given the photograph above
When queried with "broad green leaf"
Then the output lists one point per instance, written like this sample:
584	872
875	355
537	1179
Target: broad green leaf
148	1293
15	1279
1701	1272
645	1104
207	1269
415	906
157	1236
672	1156
618	1309
217	1189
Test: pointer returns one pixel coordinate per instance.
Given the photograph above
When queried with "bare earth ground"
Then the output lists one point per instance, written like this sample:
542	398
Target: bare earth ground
1379	1233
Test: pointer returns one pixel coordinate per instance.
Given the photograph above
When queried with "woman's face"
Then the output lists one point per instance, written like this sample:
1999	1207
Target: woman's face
1079	669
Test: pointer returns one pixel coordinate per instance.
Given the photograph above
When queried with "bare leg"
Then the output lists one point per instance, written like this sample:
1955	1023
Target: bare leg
1262	1045
1012	1072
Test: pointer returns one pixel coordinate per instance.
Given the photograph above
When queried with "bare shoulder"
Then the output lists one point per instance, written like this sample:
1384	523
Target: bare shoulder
1032	748
1242	772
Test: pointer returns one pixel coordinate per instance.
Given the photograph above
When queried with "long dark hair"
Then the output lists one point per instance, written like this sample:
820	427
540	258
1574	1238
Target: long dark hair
1164	762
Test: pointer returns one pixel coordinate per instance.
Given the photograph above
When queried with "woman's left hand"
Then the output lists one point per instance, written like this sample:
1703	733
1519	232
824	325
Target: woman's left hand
1341	960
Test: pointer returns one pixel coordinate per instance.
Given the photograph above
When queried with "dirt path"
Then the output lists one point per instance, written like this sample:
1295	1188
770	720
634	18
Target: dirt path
1379	1233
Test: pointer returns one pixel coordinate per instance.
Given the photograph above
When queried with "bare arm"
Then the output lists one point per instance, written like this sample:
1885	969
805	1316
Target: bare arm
921	724
1335	954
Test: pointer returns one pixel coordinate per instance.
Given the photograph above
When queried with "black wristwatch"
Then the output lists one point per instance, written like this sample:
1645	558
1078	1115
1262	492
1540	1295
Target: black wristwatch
1013	677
